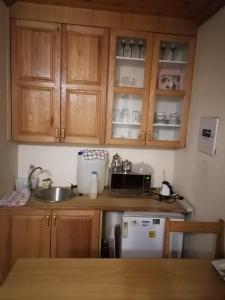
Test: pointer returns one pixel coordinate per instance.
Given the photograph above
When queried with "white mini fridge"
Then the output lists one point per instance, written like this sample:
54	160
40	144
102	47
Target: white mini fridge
143	234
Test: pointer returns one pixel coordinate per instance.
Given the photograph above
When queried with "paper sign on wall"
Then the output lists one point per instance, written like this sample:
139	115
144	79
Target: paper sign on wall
207	135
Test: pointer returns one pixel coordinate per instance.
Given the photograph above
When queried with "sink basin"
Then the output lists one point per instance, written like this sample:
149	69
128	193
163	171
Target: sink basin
54	194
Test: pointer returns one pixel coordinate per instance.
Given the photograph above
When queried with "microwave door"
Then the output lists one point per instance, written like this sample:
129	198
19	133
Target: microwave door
127	184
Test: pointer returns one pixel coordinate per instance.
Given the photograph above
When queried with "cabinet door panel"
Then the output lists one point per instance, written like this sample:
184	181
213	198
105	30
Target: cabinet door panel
35	105
29	235
83	58
84	74
36	54
77	103
75	234
35	58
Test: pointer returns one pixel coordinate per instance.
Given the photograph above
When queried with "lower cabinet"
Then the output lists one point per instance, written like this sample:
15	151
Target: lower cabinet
29	234
75	233
4	244
47	233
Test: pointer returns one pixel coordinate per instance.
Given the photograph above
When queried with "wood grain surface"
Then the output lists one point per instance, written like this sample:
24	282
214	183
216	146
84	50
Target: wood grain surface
107	203
83	90
96	279
198	11
35	60
101	18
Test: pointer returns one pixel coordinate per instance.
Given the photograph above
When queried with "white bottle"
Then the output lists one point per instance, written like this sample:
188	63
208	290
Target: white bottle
93	188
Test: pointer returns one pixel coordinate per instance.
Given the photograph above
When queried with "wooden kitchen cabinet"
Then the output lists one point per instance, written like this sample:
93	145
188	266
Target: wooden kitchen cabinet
29	234
4	244
35	65
58	82
59	79
155	116
84	76
39	233
128	87
24	233
75	233
170	90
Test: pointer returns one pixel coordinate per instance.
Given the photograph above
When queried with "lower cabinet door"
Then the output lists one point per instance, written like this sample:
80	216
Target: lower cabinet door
4	244
75	233
29	234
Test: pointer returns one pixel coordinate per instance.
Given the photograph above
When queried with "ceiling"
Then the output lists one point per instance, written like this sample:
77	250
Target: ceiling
197	10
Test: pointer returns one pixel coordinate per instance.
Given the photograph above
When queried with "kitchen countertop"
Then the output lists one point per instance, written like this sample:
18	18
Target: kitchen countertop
108	203
114	279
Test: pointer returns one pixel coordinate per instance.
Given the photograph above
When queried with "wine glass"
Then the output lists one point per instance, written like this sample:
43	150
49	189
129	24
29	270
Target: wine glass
173	49
163	49
131	44
140	46
123	44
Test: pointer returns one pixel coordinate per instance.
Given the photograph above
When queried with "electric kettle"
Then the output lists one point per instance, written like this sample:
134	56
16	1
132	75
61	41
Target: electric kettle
126	165
166	189
116	162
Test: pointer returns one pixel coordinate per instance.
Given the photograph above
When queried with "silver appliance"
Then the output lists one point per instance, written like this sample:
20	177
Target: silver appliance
122	183
143	234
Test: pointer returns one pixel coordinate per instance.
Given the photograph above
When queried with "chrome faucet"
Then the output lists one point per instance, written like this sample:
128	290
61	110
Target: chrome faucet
29	183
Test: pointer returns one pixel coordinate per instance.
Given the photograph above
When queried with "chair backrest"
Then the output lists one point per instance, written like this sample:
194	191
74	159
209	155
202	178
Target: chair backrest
195	227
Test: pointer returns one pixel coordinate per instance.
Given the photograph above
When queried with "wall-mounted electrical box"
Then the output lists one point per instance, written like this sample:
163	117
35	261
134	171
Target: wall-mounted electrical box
207	135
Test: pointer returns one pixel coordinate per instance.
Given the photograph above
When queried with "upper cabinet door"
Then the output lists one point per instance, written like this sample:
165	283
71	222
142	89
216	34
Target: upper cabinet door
170	90
35	57
84	78
128	87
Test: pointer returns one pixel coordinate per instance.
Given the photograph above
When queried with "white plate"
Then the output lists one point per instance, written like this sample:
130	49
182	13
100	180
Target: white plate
219	265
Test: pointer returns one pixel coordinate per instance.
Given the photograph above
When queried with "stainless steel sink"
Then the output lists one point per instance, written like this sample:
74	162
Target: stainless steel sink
54	194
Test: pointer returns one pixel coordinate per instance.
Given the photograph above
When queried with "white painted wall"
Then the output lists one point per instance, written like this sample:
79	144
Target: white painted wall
62	161
199	177
8	150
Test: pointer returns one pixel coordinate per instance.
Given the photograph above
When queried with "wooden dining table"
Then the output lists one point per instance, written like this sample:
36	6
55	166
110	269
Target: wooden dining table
122	279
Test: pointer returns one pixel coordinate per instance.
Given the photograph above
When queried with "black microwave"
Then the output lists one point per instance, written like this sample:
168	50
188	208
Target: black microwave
129	183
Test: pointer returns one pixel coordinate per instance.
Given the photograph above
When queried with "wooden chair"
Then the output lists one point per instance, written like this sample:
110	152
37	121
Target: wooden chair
195	227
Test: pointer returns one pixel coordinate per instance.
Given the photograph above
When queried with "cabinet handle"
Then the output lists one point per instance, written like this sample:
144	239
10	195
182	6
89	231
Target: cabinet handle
63	133
143	133
57	133
54	220
125	230
149	135
47	220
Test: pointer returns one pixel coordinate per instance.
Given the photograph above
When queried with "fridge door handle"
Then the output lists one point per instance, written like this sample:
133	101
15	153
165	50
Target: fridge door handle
125	230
